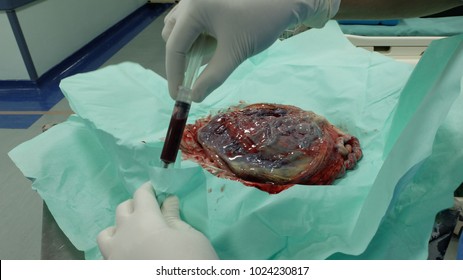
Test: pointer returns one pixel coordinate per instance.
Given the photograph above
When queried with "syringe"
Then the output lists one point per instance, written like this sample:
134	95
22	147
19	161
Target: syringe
183	103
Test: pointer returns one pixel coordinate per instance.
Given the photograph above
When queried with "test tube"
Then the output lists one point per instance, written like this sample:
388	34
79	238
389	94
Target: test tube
182	103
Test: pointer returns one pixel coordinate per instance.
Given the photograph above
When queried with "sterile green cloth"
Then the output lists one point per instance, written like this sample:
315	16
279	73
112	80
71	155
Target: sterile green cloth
441	26
384	208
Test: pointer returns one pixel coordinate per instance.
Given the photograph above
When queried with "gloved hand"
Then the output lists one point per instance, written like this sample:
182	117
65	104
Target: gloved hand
241	28
143	231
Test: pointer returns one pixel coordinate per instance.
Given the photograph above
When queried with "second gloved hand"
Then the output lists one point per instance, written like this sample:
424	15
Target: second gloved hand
241	28
143	231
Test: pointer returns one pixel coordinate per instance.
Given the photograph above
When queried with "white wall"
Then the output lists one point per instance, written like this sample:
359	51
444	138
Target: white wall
11	63
55	29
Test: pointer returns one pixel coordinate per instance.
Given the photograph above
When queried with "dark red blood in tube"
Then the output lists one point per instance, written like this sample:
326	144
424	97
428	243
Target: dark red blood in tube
175	132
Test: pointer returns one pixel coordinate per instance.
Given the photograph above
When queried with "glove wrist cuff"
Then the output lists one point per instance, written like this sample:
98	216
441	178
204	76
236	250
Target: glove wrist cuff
323	11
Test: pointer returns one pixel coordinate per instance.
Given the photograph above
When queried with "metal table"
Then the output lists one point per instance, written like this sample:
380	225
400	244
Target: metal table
55	244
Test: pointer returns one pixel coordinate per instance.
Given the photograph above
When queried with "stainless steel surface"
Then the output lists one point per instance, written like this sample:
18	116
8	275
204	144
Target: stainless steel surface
55	244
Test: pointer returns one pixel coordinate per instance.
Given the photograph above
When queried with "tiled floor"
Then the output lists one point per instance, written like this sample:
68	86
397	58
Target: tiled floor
21	208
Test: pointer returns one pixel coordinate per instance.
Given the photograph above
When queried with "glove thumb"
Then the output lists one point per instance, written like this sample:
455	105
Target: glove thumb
224	61
170	211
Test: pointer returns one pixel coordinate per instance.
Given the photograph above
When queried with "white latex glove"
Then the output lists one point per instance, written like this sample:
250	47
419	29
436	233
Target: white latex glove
143	231
242	28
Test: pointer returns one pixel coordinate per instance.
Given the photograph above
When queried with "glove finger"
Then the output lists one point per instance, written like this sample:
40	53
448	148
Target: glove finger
170	211
169	23
145	203
123	211
179	43
167	29
223	63
104	240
